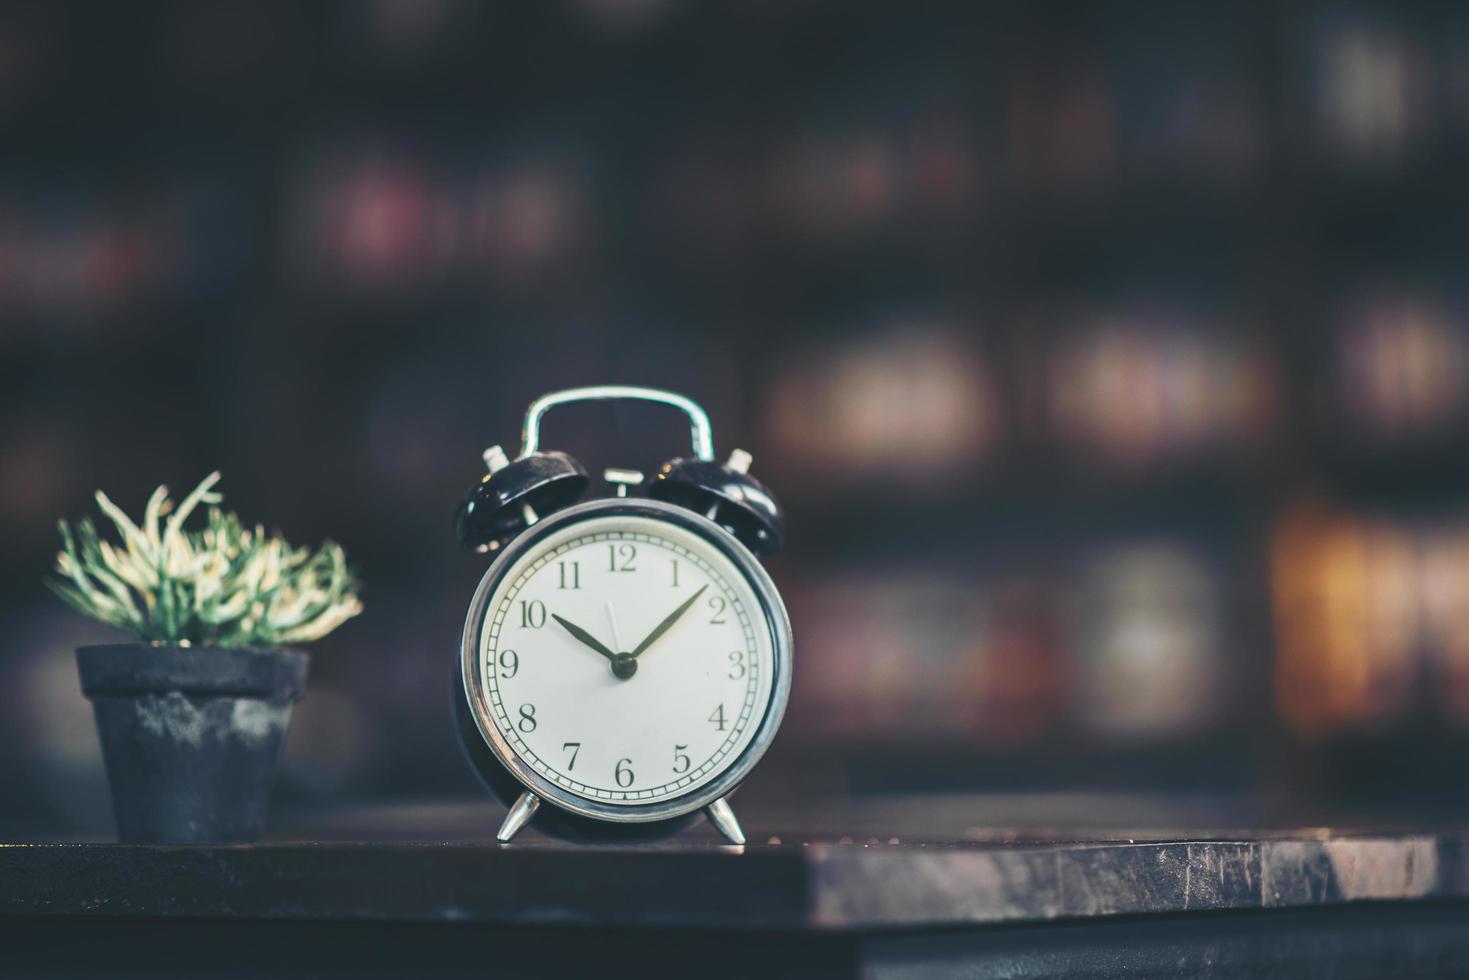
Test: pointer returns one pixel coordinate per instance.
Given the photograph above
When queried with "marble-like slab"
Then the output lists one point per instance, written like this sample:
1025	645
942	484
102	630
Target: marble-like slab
873	888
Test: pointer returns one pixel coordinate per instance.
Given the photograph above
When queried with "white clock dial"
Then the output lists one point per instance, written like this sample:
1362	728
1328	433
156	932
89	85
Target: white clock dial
696	668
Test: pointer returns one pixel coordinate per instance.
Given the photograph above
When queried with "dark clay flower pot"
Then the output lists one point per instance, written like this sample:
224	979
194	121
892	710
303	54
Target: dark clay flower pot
190	735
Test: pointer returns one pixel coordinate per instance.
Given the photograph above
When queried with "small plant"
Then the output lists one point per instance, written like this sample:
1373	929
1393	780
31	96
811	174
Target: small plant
222	585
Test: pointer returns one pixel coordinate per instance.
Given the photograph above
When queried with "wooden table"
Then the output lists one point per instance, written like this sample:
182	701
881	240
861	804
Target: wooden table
1001	903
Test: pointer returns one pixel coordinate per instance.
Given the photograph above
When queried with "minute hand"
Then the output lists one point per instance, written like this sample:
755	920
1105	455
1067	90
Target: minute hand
664	626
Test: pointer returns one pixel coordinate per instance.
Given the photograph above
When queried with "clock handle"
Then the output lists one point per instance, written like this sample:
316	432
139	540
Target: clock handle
700	432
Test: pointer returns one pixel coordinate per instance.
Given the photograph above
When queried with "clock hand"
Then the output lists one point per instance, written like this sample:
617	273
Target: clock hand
664	626
584	636
612	622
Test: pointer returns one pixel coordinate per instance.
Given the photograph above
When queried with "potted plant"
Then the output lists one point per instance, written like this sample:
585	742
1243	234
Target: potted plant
192	716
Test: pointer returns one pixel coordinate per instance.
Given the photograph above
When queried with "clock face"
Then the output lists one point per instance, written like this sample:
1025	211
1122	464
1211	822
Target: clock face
625	660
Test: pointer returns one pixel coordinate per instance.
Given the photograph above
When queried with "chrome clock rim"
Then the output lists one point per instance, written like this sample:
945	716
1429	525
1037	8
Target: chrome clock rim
777	622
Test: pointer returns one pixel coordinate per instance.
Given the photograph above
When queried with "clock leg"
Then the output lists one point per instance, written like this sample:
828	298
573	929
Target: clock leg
723	819
519	816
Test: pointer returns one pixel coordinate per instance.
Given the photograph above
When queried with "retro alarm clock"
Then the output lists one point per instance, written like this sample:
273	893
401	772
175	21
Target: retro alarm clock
626	660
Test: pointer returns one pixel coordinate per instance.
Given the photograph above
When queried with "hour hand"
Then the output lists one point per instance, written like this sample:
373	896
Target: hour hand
583	636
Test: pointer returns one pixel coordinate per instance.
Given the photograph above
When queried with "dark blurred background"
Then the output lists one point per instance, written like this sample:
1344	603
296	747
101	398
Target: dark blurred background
1110	358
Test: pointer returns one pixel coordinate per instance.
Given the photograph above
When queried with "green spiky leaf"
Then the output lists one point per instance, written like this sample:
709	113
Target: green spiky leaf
220	585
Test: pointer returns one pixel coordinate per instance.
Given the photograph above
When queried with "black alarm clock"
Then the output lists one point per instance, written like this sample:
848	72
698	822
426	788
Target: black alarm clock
626	660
